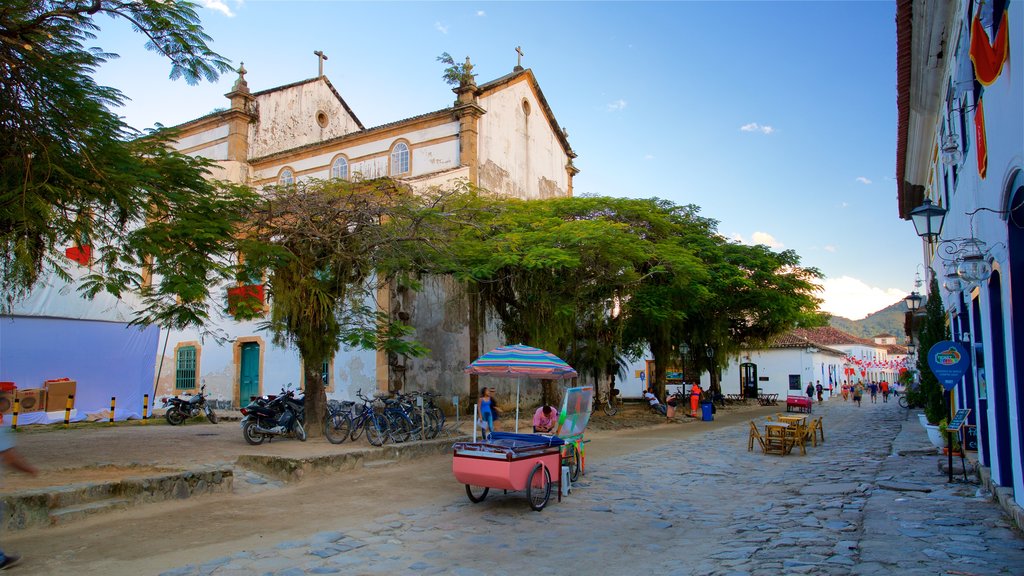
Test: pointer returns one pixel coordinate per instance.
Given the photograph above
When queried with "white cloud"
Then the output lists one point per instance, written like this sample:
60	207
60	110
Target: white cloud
863	180
852	298
440	28
481	13
755	127
616	105
648	156
220	6
766	239
737	237
844	204
830	248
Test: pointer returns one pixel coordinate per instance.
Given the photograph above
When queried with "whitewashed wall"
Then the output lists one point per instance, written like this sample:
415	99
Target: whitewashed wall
519	155
287	118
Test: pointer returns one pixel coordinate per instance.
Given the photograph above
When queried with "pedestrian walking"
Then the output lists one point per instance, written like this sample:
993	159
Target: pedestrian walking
11	459
810	391
485	411
884	386
821	392
845	390
858	392
873	389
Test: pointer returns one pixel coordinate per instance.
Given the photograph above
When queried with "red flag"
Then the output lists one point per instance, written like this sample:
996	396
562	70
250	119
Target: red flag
988	58
979	137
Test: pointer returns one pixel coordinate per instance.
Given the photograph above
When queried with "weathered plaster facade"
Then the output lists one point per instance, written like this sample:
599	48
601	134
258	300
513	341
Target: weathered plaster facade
500	135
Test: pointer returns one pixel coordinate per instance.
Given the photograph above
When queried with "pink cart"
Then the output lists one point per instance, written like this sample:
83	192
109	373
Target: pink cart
510	462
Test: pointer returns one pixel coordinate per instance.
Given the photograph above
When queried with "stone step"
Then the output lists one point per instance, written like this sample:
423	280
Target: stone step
378	463
70	513
46	506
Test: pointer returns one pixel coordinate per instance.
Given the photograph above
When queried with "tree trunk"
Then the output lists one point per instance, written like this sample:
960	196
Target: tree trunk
662	354
315	399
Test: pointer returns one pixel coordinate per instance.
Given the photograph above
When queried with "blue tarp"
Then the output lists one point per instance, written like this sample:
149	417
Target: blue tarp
105	358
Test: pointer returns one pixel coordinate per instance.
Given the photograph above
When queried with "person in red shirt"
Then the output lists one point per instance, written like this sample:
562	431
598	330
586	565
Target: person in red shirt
884	385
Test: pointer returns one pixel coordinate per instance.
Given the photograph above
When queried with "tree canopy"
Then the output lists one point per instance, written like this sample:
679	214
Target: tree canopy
73	173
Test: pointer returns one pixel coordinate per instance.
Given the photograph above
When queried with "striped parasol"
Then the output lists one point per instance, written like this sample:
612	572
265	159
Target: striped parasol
520	360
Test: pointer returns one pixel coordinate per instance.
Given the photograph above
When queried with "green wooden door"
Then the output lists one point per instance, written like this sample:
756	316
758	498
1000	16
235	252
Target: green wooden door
249	375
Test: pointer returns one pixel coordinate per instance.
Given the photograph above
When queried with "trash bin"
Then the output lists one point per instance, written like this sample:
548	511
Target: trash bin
566	483
705	411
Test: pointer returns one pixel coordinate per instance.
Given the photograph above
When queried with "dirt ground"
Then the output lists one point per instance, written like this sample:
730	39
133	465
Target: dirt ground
96	452
144	539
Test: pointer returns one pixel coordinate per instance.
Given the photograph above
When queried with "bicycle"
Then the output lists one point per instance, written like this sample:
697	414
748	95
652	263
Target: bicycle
338	422
367	418
611	402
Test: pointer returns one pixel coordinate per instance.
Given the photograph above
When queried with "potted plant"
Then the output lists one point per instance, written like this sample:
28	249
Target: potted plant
943	430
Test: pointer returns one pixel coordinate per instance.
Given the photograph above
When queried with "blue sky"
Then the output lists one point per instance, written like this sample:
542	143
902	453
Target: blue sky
777	118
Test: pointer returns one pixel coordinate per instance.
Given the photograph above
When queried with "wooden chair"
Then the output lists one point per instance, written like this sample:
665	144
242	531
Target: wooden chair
755	434
817	429
796	436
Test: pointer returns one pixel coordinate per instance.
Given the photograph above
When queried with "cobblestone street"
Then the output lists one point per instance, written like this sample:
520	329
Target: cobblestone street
699	506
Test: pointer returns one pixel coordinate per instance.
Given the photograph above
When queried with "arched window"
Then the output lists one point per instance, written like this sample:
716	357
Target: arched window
340	168
400	159
287	177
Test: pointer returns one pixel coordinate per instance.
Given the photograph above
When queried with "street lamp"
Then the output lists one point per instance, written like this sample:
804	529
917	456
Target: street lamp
928	219
911	348
913	301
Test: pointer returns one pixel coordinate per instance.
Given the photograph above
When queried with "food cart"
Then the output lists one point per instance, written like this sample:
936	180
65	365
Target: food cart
513	461
510	461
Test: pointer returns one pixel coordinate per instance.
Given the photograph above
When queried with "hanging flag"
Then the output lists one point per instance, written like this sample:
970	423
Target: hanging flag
988	58
979	137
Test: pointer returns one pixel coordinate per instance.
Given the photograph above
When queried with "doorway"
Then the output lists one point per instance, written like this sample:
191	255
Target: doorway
248	372
748	380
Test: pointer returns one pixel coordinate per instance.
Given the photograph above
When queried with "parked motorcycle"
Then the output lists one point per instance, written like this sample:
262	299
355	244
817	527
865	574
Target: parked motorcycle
181	409
266	417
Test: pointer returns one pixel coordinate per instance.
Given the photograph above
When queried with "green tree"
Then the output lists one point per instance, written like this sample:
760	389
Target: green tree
754	293
73	173
325	247
934	329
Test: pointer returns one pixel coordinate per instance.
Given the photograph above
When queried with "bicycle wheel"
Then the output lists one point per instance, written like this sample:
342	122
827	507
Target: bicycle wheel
430	428
610	408
574	460
439	419
376	430
358	425
399	426
337	428
903	402
538	487
476	493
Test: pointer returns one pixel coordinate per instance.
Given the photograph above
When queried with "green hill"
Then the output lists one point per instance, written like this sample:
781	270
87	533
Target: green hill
888	320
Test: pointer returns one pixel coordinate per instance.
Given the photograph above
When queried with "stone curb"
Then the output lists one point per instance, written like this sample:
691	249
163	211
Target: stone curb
54	505
293	469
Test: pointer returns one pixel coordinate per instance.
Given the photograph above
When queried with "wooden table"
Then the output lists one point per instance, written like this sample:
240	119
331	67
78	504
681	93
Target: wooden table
798	420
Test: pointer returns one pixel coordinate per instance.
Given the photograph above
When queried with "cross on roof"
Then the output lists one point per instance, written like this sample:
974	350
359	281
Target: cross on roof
320	56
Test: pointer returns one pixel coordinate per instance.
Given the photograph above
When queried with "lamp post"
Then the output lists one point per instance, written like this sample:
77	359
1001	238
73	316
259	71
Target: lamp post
928	219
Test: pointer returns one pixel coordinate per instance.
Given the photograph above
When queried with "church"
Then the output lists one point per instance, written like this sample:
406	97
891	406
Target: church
500	135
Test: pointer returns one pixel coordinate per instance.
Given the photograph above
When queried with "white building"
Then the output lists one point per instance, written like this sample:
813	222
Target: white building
960	145
500	135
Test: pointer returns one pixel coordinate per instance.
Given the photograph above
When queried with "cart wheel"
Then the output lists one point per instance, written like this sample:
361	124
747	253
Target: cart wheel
538	487
476	494
575	463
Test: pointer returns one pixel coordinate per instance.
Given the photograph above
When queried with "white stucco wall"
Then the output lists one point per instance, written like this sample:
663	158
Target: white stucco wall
287	118
214	133
519	155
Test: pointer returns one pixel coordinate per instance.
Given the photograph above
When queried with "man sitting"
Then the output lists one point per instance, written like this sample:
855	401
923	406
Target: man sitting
544	420
654	402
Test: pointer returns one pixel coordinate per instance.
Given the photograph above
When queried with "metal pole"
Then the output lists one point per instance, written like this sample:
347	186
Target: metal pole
949	433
